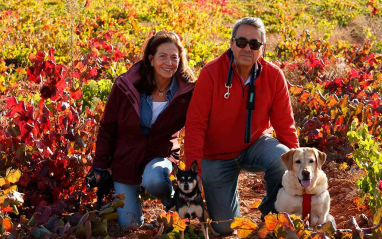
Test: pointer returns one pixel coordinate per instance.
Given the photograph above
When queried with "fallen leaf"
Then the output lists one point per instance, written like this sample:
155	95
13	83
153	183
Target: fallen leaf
256	203
271	221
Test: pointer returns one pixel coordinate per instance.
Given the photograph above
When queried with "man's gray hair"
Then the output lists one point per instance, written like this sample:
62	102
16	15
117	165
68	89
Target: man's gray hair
252	21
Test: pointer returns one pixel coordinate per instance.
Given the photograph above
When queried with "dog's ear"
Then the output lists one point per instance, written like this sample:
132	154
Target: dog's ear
321	158
194	167
175	169
288	159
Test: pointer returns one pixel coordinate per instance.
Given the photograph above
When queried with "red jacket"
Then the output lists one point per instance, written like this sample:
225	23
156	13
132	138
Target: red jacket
215	126
121	145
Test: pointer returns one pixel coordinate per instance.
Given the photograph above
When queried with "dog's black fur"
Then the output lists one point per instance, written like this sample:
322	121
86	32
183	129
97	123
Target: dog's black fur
188	198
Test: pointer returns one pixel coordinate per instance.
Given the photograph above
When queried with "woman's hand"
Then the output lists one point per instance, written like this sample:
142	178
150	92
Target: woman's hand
98	177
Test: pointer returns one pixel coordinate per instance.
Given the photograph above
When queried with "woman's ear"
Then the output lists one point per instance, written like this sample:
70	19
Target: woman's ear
151	59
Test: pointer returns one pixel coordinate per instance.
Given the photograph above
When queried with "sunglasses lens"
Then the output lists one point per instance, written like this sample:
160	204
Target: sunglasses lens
241	43
253	44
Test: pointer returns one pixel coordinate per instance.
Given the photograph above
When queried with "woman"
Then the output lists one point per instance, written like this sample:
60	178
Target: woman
146	108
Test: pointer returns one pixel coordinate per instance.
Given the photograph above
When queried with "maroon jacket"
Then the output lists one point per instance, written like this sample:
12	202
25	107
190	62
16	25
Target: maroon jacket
121	145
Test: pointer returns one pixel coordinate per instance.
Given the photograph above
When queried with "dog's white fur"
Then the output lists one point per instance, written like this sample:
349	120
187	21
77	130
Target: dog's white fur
305	162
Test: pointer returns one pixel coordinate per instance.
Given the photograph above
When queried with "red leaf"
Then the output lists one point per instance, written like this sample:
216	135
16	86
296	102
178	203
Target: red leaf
75	94
11	101
117	55
97	44
107	47
93	72
51	55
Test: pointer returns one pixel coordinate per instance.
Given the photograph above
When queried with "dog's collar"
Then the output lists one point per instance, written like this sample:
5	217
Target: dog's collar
306	206
187	199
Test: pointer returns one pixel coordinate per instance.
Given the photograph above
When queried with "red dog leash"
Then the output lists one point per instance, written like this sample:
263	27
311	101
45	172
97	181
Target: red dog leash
306	206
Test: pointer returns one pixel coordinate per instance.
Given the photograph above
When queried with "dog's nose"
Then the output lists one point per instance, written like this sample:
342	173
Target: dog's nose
305	174
186	187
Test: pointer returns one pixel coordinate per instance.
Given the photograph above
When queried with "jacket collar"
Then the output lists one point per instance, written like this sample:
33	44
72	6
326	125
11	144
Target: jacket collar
227	55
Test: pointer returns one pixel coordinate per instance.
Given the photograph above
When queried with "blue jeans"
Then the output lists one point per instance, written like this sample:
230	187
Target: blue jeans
157	183
220	180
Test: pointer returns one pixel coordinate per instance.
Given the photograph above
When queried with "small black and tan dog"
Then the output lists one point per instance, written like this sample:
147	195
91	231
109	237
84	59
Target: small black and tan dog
188	197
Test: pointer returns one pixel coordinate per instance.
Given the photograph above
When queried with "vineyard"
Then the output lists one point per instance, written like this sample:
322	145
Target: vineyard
58	62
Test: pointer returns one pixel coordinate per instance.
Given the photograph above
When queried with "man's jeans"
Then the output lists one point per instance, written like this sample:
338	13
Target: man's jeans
157	183
220	180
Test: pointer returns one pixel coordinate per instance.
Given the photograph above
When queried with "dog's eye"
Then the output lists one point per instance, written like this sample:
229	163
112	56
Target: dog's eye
311	161
298	161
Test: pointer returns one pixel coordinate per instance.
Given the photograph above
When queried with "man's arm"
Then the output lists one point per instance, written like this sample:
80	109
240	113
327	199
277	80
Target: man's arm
281	115
197	118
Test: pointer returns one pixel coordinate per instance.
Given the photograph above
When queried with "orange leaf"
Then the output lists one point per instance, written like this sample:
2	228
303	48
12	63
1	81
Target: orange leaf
286	221
256	203
8	226
271	221
332	101
179	223
296	89
304	97
263	232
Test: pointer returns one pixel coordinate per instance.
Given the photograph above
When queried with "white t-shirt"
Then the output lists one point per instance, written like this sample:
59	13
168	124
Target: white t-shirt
158	107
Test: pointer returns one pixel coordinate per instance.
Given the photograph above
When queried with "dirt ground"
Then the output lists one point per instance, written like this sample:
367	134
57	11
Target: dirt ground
342	189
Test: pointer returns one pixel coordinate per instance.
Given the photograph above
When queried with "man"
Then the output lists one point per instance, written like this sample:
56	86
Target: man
217	117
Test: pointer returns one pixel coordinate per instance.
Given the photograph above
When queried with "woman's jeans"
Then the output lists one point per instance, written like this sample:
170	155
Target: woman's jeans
220	180
157	183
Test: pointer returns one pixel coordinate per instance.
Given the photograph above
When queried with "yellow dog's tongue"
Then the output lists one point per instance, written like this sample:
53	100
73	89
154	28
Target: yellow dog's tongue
305	183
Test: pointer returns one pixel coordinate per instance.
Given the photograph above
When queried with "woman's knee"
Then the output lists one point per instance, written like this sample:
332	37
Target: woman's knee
158	187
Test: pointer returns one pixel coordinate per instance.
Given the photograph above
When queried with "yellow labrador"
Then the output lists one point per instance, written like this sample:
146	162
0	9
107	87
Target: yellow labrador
304	176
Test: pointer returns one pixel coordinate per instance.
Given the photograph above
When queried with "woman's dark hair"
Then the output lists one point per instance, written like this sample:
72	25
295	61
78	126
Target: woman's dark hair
147	84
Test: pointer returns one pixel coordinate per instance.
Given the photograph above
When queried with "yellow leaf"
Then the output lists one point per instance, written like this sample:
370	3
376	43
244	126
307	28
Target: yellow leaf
172	177
3	181
271	221
182	166
377	217
2	198
10	189
244	226
13	175
256	203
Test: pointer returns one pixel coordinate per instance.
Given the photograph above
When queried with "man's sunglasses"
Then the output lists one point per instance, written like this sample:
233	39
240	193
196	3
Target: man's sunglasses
242	42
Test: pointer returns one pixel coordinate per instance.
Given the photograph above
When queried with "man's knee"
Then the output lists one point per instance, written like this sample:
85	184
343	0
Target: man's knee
223	229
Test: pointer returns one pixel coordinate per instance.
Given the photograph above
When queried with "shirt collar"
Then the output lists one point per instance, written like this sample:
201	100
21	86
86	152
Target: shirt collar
173	87
257	73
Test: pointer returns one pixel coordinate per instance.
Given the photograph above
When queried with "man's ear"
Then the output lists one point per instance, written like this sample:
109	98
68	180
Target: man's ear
194	167
321	158
175	169
288	159
263	49
231	43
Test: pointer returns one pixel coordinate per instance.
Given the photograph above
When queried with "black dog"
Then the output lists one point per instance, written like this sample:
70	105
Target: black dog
188	198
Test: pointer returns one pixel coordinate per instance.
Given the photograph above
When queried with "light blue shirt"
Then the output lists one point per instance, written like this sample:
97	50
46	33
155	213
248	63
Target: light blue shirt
146	107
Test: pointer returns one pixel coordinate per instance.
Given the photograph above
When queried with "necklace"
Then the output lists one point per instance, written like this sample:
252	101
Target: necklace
160	92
